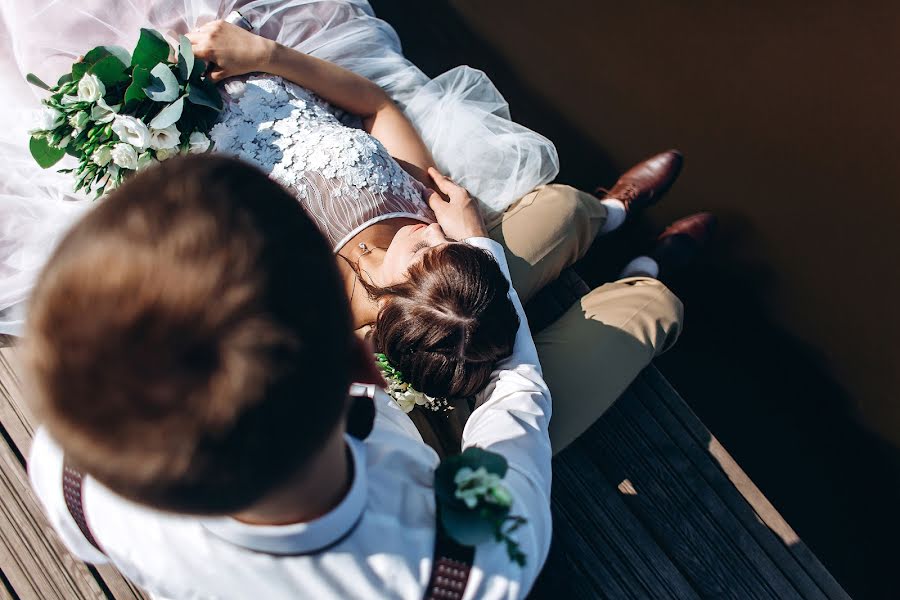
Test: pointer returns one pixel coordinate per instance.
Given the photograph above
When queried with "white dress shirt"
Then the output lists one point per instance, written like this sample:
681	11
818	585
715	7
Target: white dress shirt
377	543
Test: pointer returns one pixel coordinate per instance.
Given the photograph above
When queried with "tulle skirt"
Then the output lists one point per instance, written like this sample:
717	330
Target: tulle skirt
460	114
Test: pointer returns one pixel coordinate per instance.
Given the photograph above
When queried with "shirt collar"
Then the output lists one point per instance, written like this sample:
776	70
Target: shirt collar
302	538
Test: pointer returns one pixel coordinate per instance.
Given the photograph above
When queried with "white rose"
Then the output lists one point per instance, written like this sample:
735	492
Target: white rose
164	138
198	143
102	112
90	88
102	156
125	156
166	153
48	119
131	131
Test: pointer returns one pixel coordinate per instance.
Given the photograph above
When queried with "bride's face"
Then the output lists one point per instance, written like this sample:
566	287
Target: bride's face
409	245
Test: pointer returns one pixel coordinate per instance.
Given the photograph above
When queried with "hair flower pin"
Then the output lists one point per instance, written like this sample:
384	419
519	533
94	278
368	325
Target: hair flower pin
404	393
474	504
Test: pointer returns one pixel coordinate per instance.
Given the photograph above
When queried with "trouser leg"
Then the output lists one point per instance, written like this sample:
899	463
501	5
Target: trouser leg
597	348
546	231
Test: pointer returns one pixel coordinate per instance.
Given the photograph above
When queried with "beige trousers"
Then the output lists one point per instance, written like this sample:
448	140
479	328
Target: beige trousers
597	348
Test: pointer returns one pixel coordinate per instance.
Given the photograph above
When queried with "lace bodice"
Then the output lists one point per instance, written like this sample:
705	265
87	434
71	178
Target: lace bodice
344	178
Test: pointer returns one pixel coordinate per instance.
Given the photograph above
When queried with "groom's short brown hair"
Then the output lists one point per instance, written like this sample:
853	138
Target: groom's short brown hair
190	341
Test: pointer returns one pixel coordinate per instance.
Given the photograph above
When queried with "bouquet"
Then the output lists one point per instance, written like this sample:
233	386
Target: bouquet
117	112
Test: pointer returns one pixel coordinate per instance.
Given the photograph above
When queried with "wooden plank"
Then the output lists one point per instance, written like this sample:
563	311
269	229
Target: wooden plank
741	488
691	537
757	566
34	559
18	423
591	506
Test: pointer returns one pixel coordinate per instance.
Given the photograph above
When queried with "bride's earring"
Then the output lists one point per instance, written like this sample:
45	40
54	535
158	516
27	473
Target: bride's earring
365	250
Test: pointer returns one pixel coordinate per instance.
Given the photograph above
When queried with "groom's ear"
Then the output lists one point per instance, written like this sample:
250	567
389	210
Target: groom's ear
363	368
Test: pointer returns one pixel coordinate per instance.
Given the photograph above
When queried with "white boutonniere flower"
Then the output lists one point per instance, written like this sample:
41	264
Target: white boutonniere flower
131	131
90	88
474	503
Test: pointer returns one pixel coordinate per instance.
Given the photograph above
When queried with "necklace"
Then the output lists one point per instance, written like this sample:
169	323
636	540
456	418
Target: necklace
356	274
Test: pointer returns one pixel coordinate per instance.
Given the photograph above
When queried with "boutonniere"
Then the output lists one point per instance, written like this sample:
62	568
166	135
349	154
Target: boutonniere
403	392
473	502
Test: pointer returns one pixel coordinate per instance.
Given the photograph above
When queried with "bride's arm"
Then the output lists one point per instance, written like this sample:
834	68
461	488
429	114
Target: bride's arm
235	52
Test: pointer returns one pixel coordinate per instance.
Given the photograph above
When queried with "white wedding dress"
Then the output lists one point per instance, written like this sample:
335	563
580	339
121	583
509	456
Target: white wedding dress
460	114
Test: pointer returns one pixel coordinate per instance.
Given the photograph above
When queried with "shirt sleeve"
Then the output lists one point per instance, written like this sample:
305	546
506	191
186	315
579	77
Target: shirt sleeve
45	468
511	419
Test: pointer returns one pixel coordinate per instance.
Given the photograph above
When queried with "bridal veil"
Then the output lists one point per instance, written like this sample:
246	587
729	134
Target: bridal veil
460	114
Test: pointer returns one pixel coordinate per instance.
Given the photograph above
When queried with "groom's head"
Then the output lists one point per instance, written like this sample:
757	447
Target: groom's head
189	341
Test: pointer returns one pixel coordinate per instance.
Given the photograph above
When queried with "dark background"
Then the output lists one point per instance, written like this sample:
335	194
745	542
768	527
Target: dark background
788	117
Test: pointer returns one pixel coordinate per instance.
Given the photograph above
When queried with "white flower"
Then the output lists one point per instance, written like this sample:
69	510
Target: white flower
166	153
471	486
164	138
125	156
102	156
198	143
146	160
47	119
79	120
90	88
132	131
102	112
67	99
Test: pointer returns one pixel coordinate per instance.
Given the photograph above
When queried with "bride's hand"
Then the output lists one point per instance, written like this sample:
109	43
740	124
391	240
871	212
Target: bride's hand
230	50
460	217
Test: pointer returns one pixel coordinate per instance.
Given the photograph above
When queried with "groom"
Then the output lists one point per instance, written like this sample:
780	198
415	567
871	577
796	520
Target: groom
190	348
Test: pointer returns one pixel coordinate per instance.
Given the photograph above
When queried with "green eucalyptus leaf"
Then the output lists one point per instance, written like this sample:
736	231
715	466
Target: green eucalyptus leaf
78	70
467	527
199	70
36	81
164	87
43	153
110	70
140	78
101	52
185	58
169	115
151	49
64	79
204	96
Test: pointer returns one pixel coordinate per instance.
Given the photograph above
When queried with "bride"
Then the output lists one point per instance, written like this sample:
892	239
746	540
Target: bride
460	116
438	308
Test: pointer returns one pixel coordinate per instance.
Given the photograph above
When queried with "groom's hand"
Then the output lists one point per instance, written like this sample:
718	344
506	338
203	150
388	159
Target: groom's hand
459	217
230	50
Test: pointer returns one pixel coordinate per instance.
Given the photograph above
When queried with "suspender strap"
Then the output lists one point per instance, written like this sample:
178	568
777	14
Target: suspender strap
450	569
73	483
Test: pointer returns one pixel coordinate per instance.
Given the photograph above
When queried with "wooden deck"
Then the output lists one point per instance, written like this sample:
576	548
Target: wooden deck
647	505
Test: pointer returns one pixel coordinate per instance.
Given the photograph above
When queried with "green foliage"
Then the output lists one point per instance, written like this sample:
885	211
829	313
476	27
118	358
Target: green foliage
151	50
36	81
110	70
204	93
140	78
43	153
164	87
185	58
101	52
169	115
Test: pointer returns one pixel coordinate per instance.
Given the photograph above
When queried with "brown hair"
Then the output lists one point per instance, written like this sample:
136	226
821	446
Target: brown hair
449	323
190	338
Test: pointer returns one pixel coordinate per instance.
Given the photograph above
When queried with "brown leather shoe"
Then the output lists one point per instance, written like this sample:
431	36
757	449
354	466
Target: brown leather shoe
644	184
681	241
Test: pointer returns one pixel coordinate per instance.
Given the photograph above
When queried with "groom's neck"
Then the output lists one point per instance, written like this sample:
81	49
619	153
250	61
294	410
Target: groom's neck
315	491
